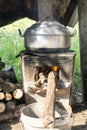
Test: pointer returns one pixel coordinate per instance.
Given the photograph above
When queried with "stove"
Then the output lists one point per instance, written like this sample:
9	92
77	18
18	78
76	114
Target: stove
65	61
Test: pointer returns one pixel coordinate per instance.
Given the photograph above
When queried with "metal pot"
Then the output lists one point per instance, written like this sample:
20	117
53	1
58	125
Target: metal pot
47	36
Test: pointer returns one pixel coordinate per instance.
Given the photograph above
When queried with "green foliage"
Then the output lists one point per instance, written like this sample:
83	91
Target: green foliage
11	44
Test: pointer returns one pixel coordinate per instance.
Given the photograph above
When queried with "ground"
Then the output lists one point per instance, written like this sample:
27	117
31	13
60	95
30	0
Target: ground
79	120
80	117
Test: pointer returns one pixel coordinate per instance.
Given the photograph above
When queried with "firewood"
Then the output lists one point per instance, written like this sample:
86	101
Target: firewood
49	115
36	78
18	94
0	88
8	87
5	116
11	73
1	80
2	107
8	96
10	105
40	81
12	86
2	96
7	74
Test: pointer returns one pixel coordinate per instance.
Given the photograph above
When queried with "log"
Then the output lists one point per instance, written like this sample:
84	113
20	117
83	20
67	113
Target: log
1	80
2	107
18	94
10	105
2	96
49	113
11	73
8	96
0	88
8	87
12	86
5	116
8	74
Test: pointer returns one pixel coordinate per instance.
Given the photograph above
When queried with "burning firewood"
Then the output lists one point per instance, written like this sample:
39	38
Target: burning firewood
40	81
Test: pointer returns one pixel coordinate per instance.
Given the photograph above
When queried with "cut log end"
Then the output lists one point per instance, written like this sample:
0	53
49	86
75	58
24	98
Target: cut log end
2	107
10	105
18	94
2	96
8	96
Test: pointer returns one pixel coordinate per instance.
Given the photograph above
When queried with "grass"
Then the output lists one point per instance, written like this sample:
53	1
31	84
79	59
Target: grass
11	44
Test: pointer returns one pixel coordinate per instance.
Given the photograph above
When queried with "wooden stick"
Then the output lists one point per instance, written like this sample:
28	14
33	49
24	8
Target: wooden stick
2	107
18	94
49	115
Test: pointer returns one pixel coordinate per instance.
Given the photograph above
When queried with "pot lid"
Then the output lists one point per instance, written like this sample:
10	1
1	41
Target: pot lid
47	28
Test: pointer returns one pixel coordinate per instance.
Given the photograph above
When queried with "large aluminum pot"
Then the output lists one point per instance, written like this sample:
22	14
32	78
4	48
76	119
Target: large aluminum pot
47	36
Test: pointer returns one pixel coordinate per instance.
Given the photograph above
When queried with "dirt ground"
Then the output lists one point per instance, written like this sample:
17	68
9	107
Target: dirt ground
79	120
79	117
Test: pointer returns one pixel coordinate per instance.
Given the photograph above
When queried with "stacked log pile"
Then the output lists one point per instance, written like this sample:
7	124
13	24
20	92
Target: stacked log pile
10	92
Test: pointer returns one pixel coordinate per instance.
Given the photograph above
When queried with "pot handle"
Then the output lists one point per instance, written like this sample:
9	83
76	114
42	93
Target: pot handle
20	33
74	33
